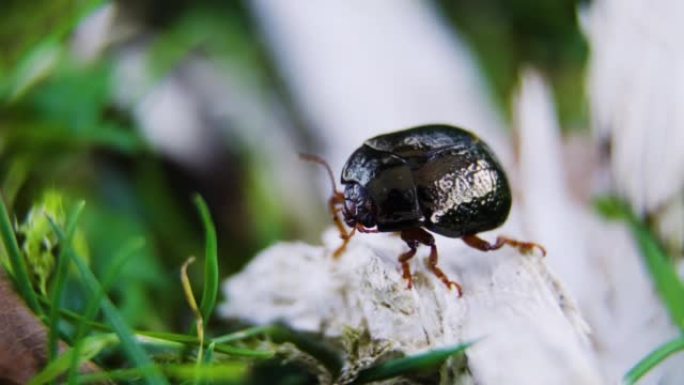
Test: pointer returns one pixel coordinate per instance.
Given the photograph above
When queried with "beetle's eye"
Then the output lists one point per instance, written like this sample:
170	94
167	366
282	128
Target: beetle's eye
349	213
350	207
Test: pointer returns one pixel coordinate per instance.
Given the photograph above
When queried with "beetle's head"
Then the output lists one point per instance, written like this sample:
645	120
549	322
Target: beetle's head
358	207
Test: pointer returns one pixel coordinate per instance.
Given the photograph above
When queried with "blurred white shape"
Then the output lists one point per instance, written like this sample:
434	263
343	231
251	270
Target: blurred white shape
94	33
598	261
360	68
527	330
132	80
637	90
636	84
170	118
201	110
552	218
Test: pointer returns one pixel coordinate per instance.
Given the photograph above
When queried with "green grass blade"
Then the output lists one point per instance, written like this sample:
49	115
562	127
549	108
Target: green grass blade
59	281
224	373
134	352
92	346
663	272
206	361
211	269
659	265
407	365
75	318
92	306
19	271
243	334
173	337
242	352
199	320
209	353
653	359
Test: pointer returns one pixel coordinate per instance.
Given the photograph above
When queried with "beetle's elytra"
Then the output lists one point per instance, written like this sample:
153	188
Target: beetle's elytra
435	177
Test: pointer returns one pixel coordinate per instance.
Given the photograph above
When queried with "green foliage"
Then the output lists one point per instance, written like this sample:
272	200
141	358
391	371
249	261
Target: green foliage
17	266
409	365
60	279
91	347
224	373
218	32
509	35
652	360
218	361
83	325
136	354
27	30
211	269
39	242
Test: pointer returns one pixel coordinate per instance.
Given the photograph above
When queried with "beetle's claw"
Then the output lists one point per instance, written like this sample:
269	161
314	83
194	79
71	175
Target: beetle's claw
455	286
339	251
409	282
529	247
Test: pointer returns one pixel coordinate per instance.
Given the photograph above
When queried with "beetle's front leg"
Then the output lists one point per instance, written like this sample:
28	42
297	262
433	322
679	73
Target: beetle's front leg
404	260
334	201
524	247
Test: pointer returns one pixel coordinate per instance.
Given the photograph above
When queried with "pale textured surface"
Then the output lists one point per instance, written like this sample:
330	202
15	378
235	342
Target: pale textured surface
596	259
636	89
512	302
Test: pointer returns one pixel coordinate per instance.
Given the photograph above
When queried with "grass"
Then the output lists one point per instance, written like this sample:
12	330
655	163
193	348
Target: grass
83	327
408	365
18	271
652	360
135	353
59	282
211	268
91	338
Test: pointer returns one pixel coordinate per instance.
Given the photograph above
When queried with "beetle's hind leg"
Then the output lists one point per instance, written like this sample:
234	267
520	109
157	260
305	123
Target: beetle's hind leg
525	247
414	236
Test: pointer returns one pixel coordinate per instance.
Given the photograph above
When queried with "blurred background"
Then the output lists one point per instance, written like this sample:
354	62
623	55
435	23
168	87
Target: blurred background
135	105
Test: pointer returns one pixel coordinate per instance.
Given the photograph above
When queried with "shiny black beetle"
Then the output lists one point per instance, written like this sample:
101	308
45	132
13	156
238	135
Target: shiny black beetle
435	177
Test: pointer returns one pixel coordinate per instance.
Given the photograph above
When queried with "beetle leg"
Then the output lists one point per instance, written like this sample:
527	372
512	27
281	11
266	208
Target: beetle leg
404	259
414	236
333	202
480	244
440	274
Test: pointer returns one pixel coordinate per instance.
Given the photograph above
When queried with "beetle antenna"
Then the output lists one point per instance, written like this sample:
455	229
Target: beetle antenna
322	162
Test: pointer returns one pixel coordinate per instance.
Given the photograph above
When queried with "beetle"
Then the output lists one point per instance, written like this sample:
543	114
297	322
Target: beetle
437	178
